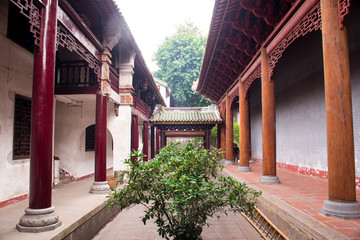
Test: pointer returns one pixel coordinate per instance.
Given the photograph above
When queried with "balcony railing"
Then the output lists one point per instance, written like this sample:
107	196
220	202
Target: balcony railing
141	106
114	80
75	74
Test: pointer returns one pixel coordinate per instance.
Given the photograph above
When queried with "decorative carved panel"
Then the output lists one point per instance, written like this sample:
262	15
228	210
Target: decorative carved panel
343	10
65	39
29	10
254	75
311	22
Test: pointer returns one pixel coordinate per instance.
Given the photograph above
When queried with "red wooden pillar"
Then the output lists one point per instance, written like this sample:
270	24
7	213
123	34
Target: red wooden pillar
244	130
340	141
163	138
152	141
40	215
218	136
207	139
229	132
157	141
146	140
223	129
134	133
268	123
100	185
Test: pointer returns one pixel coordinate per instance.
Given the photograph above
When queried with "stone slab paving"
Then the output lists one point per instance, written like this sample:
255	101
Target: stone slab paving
72	202
305	193
127	225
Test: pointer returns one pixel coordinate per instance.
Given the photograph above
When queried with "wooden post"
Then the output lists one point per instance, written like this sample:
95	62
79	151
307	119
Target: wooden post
218	136
244	130
134	133
229	132
268	123
40	216
207	139
340	141
163	138
100	185
223	129
157	140
152	141
146	140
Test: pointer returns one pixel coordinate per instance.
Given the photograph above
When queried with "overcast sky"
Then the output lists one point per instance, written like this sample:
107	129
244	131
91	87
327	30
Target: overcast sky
150	21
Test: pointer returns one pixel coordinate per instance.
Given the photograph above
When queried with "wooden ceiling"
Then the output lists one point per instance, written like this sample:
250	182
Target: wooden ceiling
238	30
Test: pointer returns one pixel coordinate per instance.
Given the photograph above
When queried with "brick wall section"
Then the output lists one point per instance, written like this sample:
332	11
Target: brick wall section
300	104
126	99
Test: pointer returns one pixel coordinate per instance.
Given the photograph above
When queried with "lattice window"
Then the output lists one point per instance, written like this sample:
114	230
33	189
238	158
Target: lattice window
90	138
22	125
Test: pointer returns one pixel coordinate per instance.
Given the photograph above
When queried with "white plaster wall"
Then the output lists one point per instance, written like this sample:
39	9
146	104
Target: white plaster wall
256	119
16	66
354	49
162	91
70	125
300	105
120	128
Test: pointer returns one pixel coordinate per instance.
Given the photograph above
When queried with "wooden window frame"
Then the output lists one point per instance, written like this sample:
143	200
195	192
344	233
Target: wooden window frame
21	128
90	138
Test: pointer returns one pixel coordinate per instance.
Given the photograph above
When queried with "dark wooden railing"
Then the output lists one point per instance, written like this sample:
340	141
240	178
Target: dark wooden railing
75	74
141	106
114	79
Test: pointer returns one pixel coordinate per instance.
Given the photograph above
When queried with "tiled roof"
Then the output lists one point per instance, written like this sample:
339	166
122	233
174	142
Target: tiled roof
186	115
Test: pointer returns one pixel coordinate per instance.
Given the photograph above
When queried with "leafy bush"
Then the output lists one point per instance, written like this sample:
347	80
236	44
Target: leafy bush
180	189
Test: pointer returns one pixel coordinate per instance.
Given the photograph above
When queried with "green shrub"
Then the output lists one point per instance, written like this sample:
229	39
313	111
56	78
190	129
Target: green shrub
180	189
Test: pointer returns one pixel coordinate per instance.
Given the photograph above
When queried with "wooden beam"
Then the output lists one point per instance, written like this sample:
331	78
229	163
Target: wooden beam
184	133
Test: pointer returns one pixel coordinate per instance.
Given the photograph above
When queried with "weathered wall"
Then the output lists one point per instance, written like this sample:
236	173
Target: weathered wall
16	67
300	105
120	128
70	124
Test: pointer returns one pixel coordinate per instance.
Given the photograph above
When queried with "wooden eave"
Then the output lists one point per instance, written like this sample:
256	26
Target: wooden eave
184	122
107	10
238	30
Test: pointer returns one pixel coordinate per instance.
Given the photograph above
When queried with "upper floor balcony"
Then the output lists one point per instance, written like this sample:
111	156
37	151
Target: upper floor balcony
76	77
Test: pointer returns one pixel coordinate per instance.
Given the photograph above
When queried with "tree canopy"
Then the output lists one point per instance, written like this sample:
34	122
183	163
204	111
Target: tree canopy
179	58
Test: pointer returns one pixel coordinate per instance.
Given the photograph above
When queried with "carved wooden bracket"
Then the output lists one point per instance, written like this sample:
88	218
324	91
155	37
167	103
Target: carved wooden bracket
343	11
311	22
32	12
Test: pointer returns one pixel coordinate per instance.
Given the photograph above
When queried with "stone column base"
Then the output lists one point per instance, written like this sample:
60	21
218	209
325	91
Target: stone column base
228	162
244	169
269	180
341	209
100	188
38	220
